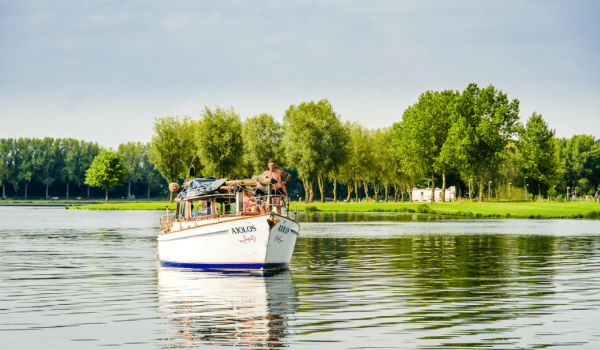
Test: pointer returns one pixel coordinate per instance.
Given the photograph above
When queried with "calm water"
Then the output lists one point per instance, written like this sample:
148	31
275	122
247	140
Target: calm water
81	279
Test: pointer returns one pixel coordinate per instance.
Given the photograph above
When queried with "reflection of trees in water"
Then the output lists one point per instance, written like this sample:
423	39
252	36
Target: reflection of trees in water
438	280
207	308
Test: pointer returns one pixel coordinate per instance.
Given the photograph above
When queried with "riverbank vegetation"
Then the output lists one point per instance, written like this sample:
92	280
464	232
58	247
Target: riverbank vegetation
473	139
459	209
469	209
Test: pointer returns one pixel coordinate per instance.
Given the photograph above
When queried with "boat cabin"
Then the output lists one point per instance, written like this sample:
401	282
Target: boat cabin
227	205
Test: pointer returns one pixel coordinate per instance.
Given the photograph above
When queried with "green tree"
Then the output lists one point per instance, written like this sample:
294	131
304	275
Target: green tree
71	150
581	156
315	143
107	170
219	142
149	173
26	160
484	121
537	152
89	151
386	163
172	147
263	141
7	163
359	160
418	140
47	162
132	153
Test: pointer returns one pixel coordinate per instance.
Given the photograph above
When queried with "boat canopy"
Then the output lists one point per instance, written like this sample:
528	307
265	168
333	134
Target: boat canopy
201	187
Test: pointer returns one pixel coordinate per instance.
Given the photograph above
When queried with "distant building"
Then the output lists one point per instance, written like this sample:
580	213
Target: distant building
424	194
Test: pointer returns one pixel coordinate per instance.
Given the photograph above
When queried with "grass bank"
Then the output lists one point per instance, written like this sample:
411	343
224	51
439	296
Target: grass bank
532	210
128	206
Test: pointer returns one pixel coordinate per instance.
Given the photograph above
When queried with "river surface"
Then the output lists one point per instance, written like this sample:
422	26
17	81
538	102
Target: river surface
72	279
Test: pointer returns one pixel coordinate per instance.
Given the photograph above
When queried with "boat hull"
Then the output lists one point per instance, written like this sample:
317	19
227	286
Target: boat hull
234	243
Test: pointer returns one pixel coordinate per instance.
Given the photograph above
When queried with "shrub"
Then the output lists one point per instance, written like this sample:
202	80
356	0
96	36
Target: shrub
310	208
410	210
423	208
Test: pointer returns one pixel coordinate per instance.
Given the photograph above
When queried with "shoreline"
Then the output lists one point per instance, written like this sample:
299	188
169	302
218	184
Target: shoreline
521	210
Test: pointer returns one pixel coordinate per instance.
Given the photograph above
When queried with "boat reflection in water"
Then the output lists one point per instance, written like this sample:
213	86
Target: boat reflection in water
217	308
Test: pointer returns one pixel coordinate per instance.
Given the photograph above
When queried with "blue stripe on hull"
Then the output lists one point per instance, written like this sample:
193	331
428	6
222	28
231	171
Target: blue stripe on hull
222	266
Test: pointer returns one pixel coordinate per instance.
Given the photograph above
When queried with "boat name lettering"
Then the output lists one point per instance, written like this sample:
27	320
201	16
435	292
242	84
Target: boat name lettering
243	229
283	229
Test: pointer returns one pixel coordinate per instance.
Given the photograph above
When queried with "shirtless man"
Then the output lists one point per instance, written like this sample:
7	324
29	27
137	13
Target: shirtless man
273	173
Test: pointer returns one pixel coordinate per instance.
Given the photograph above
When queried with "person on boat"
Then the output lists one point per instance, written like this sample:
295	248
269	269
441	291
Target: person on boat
273	173
250	204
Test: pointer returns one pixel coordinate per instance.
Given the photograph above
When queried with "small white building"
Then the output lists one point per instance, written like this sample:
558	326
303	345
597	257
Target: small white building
424	194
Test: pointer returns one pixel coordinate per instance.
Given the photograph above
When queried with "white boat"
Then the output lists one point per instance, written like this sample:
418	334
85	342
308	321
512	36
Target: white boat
213	230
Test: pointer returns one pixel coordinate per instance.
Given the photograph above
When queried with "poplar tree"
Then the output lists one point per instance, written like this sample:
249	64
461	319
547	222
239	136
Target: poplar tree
418	140
132	153
7	165
537	152
263	141
47	162
315	143
218	140
172	147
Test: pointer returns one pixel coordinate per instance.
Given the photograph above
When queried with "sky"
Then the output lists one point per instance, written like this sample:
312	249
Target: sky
104	70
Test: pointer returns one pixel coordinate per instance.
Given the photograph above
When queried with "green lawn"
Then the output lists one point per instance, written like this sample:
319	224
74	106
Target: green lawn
128	206
472	209
464	209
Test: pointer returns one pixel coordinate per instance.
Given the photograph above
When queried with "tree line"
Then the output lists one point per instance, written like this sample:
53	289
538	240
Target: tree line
474	137
64	163
470	139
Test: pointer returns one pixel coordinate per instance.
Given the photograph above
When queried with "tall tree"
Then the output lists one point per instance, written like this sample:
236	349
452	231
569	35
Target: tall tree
537	152
219	142
581	154
172	147
484	121
149	173
107	170
26	160
359	161
316	143
89	151
132	153
418	140
263	141
386	163
7	163
47	162
71	149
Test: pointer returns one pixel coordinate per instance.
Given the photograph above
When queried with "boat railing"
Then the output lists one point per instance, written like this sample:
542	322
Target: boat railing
166	222
267	204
